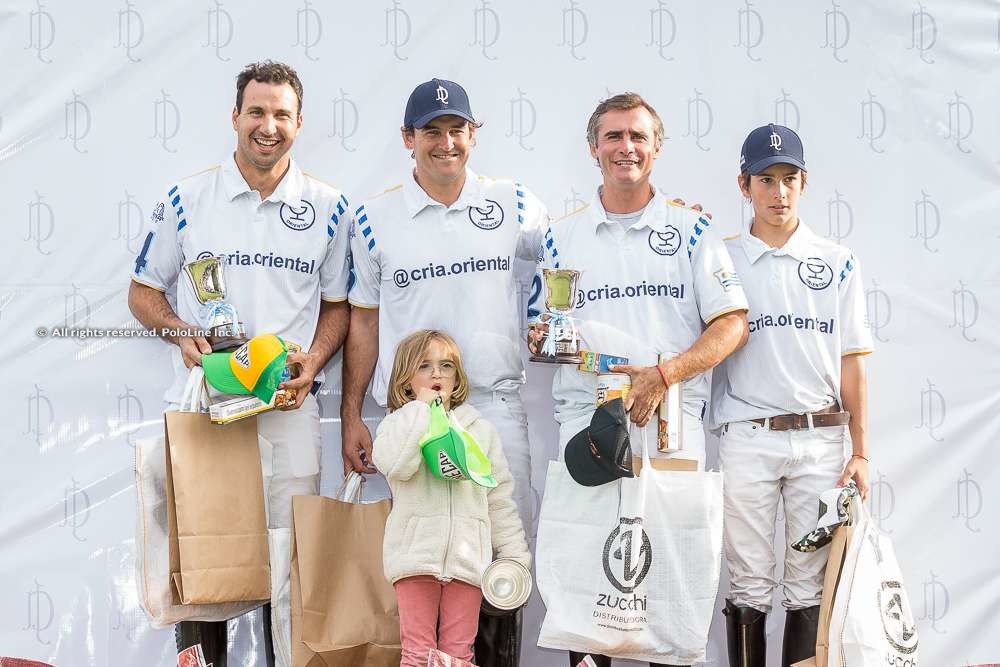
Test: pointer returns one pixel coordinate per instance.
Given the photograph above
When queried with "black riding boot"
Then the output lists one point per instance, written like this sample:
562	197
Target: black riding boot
799	641
265	618
599	660
212	635
498	642
746	638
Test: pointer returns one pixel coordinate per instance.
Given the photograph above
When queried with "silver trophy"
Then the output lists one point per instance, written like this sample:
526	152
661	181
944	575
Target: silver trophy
559	341
216	316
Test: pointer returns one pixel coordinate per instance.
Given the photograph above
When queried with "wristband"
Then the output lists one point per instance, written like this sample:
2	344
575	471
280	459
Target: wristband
859	456
663	376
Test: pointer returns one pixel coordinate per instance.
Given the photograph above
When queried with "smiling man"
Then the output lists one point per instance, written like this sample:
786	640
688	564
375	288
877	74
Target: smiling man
655	280
441	251
286	271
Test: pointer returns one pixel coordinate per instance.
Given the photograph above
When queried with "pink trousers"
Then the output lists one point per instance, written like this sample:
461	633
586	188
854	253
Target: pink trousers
436	614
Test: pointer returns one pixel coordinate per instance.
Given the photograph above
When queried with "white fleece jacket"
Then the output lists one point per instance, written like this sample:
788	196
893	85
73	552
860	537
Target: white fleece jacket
450	530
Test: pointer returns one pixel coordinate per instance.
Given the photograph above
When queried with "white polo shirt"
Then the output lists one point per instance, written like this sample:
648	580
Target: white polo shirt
647	289
283	254
453	268
807	310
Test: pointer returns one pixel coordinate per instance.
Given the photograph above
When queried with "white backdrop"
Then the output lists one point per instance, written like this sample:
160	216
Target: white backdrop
105	103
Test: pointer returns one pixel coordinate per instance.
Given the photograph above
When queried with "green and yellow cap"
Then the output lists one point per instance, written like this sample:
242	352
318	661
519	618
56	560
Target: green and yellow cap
257	367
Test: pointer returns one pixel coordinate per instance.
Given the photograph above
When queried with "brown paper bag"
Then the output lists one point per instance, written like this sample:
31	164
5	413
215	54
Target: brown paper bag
834	563
344	610
215	511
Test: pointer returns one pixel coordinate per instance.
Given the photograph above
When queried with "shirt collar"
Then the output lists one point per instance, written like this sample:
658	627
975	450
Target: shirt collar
417	199
654	215
799	244
288	190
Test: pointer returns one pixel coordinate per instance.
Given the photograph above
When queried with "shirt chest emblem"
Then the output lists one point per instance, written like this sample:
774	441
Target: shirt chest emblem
298	218
488	216
815	273
665	243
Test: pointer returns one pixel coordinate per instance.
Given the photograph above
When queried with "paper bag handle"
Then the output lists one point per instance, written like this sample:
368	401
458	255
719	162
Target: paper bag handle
194	398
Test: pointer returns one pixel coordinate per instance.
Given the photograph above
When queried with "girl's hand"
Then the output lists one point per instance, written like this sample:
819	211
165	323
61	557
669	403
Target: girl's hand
427	395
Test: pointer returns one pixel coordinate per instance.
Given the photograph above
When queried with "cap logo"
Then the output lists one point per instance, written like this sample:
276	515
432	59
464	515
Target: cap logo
442	95
776	141
242	355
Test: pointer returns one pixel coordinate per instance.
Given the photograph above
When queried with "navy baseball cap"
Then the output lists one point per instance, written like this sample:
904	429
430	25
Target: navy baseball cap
771	144
437	97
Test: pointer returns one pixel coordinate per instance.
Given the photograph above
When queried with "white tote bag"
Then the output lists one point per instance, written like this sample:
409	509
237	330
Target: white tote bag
630	569
152	553
872	622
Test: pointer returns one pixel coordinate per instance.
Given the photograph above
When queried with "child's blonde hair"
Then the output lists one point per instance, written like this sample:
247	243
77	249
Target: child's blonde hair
409	353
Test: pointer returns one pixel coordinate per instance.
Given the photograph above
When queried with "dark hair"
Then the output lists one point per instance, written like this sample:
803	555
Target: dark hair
623	102
745	178
268	72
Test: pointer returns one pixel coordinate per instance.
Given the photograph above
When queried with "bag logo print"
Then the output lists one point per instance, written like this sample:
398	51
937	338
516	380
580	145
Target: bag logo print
897	621
628	555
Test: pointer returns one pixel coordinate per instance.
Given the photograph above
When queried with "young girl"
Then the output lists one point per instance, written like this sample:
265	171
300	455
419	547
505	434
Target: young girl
787	401
440	535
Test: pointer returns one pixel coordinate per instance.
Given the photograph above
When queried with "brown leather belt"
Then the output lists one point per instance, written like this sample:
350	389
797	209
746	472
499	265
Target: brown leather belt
831	415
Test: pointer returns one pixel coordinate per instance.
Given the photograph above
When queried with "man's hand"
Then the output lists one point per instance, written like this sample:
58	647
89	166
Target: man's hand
357	446
192	347
646	394
693	207
309	367
856	469
537	331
